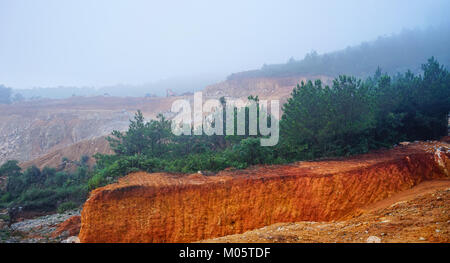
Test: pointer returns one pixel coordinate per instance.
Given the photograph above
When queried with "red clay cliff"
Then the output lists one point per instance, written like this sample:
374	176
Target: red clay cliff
161	207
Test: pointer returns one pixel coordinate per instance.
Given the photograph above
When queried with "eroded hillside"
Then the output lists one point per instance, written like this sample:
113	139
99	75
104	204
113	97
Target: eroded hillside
31	130
266	88
39	131
184	208
73	153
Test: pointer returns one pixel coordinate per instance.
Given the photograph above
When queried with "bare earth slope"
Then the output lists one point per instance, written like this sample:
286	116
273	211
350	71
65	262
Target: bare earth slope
265	88
421	214
72	152
30	130
185	208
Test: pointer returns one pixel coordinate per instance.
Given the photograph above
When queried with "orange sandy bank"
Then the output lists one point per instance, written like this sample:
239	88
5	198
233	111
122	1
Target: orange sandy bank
184	208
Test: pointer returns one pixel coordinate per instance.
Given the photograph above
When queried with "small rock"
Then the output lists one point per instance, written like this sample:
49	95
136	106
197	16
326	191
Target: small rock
422	239
73	239
438	230
373	239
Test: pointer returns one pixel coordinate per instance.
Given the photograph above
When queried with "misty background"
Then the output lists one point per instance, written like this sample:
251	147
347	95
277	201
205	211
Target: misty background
134	47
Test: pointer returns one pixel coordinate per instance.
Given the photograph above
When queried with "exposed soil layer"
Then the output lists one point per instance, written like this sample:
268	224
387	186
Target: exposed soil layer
73	153
39	131
265	88
185	208
419	215
70	227
32	129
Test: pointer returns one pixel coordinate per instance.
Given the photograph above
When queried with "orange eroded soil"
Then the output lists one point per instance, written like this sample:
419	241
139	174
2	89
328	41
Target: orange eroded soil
185	208
421	214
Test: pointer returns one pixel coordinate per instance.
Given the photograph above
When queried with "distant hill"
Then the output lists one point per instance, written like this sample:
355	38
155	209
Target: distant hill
397	53
179	85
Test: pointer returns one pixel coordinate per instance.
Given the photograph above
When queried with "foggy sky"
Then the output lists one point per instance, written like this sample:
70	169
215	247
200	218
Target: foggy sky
106	42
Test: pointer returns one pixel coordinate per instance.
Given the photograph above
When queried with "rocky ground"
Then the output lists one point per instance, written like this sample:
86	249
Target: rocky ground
43	229
414	217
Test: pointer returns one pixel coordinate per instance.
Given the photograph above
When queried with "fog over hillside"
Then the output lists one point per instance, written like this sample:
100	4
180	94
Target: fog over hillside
140	47
179	85
393	54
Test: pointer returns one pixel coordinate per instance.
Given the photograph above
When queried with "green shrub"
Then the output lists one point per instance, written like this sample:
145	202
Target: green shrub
99	179
84	159
10	168
66	206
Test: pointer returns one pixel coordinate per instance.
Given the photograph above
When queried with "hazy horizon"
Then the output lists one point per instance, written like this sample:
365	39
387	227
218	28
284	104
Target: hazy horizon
103	43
